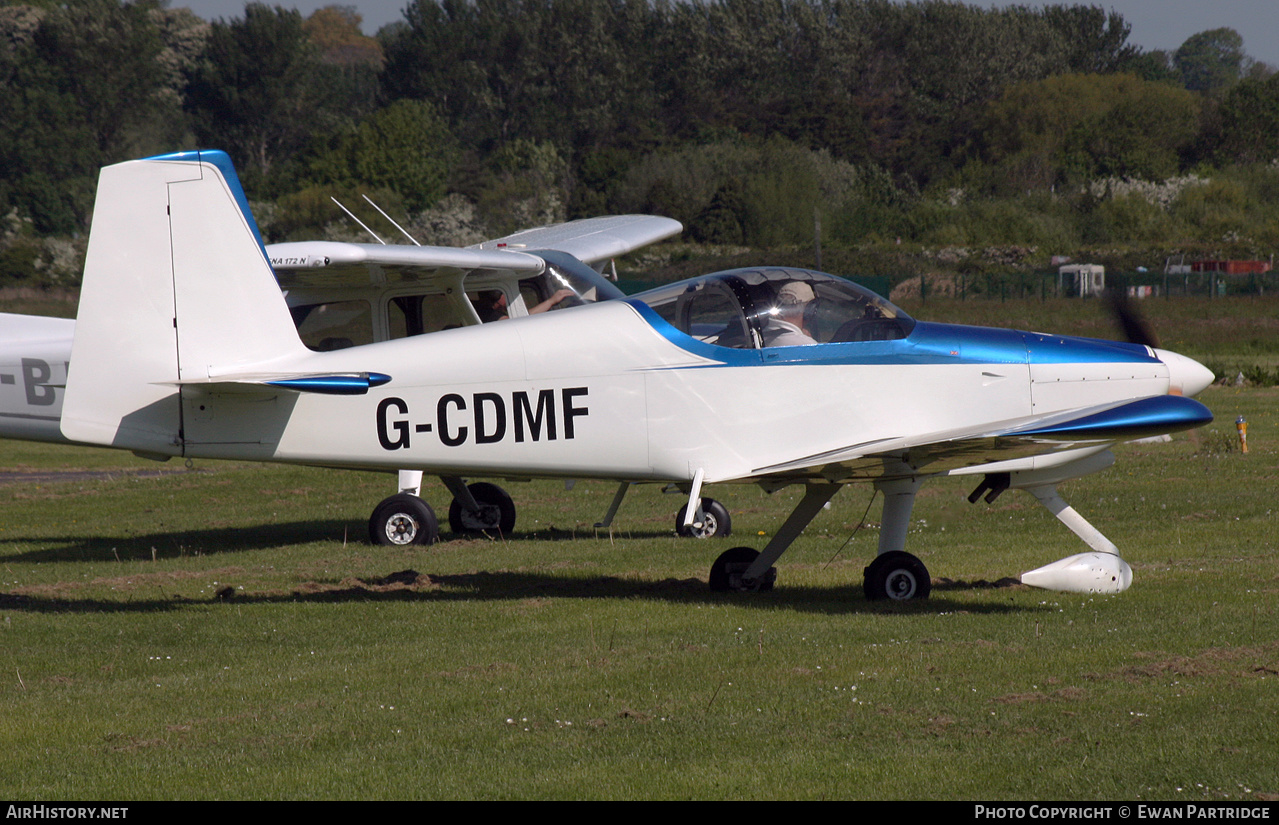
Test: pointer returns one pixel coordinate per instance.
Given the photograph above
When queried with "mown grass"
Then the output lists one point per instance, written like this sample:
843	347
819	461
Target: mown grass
558	663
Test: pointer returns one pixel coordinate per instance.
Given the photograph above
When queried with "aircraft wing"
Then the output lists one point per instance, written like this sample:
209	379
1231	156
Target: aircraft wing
363	263
1018	438
592	240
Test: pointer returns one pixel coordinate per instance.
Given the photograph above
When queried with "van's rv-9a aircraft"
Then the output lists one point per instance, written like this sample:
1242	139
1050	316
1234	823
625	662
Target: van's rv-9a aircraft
185	346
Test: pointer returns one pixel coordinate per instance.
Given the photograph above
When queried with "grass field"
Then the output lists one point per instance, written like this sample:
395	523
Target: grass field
559	663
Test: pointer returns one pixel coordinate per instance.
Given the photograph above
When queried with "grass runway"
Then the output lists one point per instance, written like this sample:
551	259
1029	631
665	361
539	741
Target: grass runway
564	663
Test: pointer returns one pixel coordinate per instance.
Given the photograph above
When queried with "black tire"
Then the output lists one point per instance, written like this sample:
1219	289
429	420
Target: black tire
716	524
736	560
496	513
403	519
897	576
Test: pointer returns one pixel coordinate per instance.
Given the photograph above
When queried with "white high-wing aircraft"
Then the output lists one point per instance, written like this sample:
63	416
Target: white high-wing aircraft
347	294
184	346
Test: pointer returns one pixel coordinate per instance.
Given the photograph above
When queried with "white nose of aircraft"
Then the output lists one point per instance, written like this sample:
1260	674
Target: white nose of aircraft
1185	375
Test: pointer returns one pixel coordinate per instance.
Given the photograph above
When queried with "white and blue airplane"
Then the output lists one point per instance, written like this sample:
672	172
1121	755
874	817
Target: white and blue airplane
185	346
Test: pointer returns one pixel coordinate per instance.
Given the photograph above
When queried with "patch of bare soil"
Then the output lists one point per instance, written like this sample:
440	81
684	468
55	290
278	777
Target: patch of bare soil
401	581
1261	660
940	583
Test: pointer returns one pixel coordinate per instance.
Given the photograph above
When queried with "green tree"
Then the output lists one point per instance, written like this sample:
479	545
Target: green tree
1076	127
335	31
575	72
80	87
406	148
1090	40
1211	60
262	89
1247	123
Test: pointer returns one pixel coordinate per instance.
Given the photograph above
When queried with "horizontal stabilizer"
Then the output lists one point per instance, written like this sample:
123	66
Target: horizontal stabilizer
353	383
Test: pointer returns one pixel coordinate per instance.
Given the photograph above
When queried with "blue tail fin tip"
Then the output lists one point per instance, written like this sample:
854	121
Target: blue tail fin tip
221	160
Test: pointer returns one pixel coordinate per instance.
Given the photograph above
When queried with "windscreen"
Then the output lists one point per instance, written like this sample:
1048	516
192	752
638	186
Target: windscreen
776	306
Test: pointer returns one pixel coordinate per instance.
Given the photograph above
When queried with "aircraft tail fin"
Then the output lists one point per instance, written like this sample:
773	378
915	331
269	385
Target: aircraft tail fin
177	288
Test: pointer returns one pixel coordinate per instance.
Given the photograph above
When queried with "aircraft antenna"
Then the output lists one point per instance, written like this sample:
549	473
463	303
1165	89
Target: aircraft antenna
389	218
357	220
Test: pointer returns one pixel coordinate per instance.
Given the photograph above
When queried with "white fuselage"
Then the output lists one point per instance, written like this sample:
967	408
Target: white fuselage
598	392
34	355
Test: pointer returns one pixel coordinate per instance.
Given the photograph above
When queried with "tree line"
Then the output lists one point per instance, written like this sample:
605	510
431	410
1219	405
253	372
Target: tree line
752	121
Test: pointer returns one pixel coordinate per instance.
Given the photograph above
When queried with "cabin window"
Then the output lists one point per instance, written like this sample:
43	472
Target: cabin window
489	304
334	325
419	314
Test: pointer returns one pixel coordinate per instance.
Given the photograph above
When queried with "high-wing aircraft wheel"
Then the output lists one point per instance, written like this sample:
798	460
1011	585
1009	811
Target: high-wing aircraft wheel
496	513
726	572
403	519
898	576
715	521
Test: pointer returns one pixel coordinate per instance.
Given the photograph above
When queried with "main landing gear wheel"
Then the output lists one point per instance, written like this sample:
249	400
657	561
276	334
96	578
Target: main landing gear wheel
403	519
726	572
496	513
715	521
898	576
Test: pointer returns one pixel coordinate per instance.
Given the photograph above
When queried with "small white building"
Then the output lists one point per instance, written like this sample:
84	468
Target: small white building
1083	280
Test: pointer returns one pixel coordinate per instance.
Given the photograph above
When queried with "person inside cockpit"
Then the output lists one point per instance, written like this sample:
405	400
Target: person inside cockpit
785	327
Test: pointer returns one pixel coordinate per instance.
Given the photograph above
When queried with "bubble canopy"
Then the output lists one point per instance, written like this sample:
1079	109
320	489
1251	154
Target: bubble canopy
776	306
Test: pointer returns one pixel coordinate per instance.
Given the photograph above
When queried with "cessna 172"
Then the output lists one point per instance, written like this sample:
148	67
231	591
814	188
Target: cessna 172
184	346
348	294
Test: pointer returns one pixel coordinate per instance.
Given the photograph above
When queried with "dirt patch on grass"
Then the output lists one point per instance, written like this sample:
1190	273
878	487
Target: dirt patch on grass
977	584
400	581
1214	662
